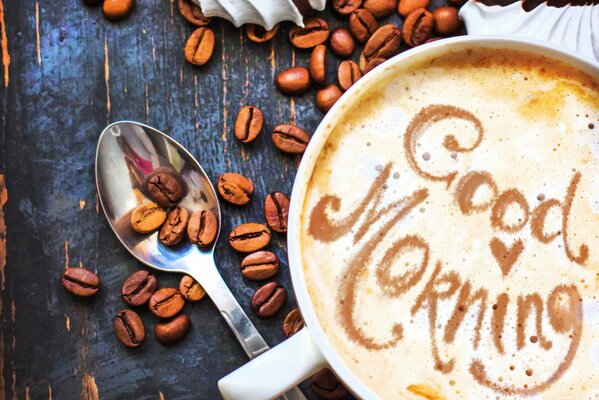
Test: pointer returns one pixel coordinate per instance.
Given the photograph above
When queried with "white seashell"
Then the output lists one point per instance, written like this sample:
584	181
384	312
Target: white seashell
574	27
266	13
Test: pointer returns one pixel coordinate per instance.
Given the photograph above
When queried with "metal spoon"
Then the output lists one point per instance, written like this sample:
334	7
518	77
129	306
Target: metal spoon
129	151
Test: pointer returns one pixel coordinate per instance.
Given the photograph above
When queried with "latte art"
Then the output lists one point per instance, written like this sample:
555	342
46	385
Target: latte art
454	213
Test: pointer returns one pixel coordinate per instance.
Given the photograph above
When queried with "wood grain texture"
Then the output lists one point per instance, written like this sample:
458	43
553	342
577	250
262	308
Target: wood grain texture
67	74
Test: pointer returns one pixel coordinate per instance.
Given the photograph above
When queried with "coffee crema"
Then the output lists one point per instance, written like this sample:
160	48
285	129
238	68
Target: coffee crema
450	230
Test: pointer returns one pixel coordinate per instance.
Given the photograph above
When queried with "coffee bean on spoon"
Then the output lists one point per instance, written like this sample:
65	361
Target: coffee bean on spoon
199	46
276	211
314	32
250	237
294	81
248	124
268	299
202	227
326	385
235	188
147	218
318	64
129	328
166	302
342	42
172	331
190	289
290	139
138	288
117	9
293	323
348	73
193	13
258	34
260	265
164	189
327	97
362	24
80	282
174	227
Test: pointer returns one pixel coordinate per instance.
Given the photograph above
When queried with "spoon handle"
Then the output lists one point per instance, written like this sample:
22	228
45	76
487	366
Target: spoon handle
243	329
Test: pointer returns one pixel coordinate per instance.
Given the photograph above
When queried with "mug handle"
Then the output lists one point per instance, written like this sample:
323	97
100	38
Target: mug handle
275	371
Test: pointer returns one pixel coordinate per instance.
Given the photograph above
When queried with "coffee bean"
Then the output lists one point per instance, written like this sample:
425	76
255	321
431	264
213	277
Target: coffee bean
174	227
129	328
260	265
447	20
80	282
258	34
165	189
314	32
276	210
190	289
362	24
380	8
417	27
117	9
293	323
248	124
235	188
166	302
405	7
193	13
172	331
342	42
290	139
268	299
202	227
348	73
346	7
294	80
249	237
326	385
147	218
198	48
327	97
138	288
383	43
372	64
318	64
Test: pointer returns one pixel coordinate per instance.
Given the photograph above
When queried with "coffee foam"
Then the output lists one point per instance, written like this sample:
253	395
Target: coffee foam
384	229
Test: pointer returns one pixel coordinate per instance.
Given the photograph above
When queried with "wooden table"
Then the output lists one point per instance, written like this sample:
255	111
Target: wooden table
71	73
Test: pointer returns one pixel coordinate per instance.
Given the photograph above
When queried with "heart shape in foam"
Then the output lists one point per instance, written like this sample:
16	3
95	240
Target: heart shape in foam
505	257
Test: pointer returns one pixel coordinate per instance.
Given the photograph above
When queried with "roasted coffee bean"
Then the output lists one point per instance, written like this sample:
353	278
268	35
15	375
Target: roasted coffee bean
190	289
293	323
172	331
342	42
290	139
129	328
235	188
248	124
348	73
258	34
314	32
165	189
174	227
80	282
249	237
327	97
383	43
202	227
372	64
198	48
447	20
147	218
193	13
380	8
276	210
326	385
362	24
117	9
294	80
260	265
166	302
405	7
318	64
138	288
417	27
346	7
268	299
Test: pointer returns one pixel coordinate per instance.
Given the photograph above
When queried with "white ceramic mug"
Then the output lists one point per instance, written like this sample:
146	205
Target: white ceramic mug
308	351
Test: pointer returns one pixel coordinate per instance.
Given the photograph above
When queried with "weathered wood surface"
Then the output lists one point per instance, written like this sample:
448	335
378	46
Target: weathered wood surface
67	72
